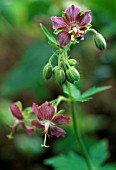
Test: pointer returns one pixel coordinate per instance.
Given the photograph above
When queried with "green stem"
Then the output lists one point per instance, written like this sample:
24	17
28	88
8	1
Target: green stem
77	132
54	54
92	30
60	99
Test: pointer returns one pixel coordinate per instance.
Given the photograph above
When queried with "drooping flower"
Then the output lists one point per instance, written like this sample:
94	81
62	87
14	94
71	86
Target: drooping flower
16	112
48	120
72	25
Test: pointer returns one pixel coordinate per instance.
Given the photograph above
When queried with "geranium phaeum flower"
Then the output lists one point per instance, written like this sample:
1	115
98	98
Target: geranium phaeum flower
72	25
16	112
48	120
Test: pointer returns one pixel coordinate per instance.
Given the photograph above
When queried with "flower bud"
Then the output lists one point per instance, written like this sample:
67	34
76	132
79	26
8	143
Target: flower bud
47	71
99	41
59	75
72	62
72	74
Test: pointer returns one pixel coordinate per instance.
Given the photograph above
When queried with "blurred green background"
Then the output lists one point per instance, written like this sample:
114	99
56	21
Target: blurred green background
24	52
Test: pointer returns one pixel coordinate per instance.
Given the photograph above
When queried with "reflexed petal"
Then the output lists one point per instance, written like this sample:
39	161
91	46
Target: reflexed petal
64	38
47	111
36	111
29	130
61	119
36	124
57	132
58	22
16	111
71	13
85	18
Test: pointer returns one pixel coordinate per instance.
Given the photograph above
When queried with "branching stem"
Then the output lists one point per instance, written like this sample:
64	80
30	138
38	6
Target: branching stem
77	132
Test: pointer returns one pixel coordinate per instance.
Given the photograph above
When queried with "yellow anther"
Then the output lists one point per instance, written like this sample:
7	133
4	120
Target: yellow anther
70	31
72	38
81	32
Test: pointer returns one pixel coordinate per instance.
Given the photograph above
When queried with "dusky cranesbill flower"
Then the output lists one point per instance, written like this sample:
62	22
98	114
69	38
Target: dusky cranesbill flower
48	120
72	25
17	113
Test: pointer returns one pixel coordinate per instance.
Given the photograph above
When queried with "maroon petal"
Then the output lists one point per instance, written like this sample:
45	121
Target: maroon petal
47	111
61	119
71	13
85	18
58	22
29	130
64	38
36	111
57	132
36	124
16	111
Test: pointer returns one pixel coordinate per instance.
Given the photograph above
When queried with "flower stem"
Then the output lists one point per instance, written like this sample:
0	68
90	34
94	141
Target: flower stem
44	145
92	30
77	132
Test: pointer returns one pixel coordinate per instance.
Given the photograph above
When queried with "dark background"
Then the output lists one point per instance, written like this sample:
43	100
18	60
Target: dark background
24	52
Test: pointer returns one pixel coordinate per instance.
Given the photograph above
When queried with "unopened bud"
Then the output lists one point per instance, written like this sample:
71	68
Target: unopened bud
99	41
59	75
72	74
72	62
47	71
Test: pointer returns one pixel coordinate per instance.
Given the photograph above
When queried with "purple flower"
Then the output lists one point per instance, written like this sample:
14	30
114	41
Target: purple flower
48	120
72	25
16	112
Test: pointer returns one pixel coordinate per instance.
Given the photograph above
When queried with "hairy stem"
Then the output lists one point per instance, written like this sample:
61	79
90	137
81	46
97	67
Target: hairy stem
77	133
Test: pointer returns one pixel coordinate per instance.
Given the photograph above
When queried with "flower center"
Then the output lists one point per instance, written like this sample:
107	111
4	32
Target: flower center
47	124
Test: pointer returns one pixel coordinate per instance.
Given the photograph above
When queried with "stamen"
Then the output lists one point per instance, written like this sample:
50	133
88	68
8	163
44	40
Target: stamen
44	144
10	136
81	32
70	31
72	38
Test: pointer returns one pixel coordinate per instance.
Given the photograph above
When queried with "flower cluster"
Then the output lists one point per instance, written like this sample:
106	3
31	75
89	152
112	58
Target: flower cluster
47	119
72	26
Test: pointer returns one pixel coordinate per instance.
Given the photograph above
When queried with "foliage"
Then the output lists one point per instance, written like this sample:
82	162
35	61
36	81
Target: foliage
32	63
86	96
98	154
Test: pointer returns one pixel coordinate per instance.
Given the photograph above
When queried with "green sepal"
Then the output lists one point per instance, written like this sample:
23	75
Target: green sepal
19	104
57	31
82	12
27	111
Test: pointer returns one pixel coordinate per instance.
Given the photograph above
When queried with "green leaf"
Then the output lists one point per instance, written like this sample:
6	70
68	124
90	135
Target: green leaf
70	161
28	145
53	44
49	35
84	99
99	153
27	74
93	90
108	167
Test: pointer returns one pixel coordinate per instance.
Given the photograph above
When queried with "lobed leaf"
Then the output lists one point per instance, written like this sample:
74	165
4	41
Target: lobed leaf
99	153
94	90
70	161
